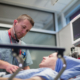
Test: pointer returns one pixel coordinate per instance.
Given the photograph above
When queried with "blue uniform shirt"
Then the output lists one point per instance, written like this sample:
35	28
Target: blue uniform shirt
6	54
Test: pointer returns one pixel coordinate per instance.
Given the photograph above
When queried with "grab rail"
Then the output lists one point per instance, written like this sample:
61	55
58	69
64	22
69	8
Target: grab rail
14	46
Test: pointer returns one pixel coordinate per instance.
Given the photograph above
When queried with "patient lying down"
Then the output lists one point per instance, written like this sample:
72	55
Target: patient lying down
49	68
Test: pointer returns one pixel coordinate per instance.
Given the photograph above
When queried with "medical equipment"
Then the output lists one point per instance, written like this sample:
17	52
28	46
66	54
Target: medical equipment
75	30
14	46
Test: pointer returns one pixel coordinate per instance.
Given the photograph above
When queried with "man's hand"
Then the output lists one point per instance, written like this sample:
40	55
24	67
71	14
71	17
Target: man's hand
11	68
8	67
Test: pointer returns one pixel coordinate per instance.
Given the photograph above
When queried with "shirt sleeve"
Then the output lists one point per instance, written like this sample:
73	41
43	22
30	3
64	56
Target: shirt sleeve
28	61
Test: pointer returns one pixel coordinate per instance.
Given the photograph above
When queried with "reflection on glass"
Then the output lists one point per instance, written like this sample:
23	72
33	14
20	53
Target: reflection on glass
6	54
32	38
37	56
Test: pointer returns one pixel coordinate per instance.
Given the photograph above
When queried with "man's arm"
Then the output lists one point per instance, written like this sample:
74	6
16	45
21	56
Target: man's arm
27	67
7	78
8	67
33	78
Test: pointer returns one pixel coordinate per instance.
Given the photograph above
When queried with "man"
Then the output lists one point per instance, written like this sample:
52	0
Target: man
47	70
20	27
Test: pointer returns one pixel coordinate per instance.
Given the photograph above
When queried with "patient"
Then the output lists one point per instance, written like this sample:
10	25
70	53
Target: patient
45	72
49	68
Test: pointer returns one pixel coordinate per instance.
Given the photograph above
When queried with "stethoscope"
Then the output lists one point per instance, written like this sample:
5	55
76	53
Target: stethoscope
20	52
9	33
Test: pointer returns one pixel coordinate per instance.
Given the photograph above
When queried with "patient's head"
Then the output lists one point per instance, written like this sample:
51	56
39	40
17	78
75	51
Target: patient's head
49	61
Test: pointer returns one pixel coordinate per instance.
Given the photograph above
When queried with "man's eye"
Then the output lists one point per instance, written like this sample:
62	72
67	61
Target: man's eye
23	27
50	56
27	30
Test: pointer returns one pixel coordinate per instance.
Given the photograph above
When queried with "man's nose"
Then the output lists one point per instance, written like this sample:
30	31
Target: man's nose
45	57
24	31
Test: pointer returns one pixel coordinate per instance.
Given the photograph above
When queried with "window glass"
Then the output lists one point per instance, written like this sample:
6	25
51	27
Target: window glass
3	28
40	38
37	56
43	19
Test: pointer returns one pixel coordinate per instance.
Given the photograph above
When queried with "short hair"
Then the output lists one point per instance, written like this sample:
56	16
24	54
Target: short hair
25	16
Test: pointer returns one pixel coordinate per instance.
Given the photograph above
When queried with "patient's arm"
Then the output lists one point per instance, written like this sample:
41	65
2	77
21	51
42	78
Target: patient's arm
27	67
7	78
33	78
36	78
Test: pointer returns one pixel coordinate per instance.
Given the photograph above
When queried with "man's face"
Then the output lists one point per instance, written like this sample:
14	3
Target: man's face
49	61
22	27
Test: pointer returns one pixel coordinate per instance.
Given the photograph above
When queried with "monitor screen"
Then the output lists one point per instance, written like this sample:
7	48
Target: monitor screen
75	30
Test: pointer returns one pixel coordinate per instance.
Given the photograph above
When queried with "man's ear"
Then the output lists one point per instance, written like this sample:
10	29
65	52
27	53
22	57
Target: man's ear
15	21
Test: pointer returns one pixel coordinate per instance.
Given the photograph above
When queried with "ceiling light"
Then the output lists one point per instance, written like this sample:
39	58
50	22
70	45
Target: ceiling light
53	1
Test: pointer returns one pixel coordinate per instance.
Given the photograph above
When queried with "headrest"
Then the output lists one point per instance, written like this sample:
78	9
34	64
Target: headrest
71	62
